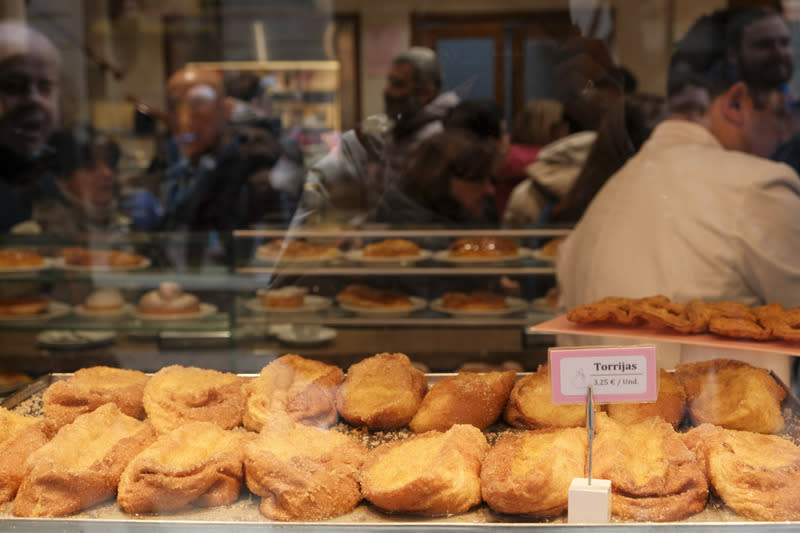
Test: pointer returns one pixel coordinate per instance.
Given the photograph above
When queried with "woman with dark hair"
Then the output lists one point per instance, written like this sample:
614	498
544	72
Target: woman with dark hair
446	181
84	198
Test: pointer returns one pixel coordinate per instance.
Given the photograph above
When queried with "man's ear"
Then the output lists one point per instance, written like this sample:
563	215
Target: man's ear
735	100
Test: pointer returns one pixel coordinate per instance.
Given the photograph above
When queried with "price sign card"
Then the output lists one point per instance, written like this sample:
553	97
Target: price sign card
616	374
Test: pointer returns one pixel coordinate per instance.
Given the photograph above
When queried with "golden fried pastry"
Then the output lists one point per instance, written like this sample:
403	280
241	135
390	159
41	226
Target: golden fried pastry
19	437
89	388
29	304
295	249
779	322
529	473
292	385
198	463
474	301
735	319
467	398
381	392
391	248
82	464
303	472
176	395
654	477
610	309
483	247
289	297
670	404
756	475
18	258
85	257
530	405
732	394
369	297
661	312
430	473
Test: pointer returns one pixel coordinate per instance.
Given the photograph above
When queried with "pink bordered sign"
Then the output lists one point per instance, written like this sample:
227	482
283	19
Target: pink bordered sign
616	374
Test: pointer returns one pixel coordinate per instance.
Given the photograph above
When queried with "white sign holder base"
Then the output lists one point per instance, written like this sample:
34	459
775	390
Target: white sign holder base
589	501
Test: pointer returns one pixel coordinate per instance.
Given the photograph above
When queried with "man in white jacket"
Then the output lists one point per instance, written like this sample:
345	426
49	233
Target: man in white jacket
698	212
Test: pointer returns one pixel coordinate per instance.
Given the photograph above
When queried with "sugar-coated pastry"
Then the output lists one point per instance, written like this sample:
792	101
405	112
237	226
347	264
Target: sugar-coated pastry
176	395
530	405
89	388
381	392
303	472
303	389
670	404
467	398
431	473
19	437
82	464
530	472
198	463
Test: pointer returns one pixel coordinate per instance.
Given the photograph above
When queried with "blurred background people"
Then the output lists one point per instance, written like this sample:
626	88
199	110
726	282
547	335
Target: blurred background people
29	96
83	200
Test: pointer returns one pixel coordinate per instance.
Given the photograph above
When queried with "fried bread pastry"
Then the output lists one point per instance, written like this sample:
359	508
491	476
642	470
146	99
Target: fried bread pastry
611	309
179	394
670	404
198	463
654	476
732	394
431	473
483	247
467	398
91	387
391	248
381	392
781	323
82	464
369	297
474	301
303	472
530	404
756	475
19	437
18	258
529	473
659	311
292	385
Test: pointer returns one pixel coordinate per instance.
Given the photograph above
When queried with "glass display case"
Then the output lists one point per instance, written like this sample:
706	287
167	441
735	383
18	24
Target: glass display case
247	247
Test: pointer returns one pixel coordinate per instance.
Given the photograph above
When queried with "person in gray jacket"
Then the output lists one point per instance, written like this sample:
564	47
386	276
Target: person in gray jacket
374	154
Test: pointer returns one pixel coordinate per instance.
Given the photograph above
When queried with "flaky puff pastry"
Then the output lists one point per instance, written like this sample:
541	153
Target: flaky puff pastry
467	398
19	437
732	394
670	404
177	395
381	392
654	476
89	388
291	385
530	405
82	464
303	472
530	472
430	474
198	463
756	475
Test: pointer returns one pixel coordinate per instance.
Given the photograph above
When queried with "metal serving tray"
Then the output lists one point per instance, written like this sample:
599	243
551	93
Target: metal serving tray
243	515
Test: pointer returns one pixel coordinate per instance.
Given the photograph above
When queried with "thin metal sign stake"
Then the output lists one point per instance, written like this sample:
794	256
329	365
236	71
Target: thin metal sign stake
590	429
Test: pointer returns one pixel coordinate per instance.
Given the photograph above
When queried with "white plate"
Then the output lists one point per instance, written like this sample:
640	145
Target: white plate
141	265
48	262
302	335
543	306
514	305
283	260
416	305
311	303
80	310
54	310
539	256
205	310
74	339
357	256
445	257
